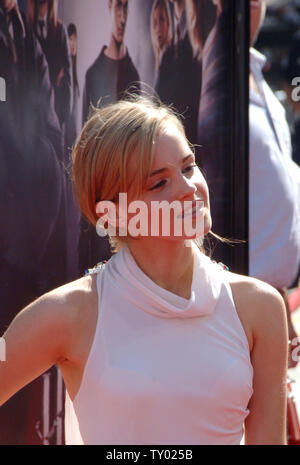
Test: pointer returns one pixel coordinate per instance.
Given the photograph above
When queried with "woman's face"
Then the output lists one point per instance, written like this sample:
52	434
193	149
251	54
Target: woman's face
175	177
73	45
160	27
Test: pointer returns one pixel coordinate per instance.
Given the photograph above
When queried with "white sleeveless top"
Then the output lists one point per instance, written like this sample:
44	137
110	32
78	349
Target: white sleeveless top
162	369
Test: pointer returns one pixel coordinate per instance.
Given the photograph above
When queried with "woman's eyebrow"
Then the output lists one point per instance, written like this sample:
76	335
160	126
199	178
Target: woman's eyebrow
162	170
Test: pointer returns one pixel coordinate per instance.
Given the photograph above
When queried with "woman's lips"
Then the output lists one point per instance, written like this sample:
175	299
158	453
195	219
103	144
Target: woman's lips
192	209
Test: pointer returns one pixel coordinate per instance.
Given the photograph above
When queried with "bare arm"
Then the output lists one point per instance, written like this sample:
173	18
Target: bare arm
266	423
35	340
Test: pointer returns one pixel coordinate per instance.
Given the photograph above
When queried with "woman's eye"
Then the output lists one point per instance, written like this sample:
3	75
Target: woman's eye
160	184
189	168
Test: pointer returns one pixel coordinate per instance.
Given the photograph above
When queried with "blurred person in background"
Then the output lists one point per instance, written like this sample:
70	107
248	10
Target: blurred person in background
274	182
279	40
291	86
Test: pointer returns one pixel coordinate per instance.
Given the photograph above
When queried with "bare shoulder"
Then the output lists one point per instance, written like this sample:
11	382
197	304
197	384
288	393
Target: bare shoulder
74	298
66	312
73	305
57	328
253	291
79	303
64	303
260	306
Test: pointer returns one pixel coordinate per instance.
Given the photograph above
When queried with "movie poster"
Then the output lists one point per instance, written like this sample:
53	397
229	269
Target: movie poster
57	60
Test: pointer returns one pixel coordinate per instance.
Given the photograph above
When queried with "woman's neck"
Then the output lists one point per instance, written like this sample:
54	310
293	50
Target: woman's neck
169	265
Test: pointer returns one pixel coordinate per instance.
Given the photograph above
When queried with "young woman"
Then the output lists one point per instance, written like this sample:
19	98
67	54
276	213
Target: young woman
160	345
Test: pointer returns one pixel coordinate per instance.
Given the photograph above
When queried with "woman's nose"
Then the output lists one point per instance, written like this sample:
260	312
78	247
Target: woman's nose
185	188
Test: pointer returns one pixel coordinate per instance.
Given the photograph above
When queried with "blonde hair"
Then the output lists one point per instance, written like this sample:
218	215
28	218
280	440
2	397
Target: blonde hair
111	136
